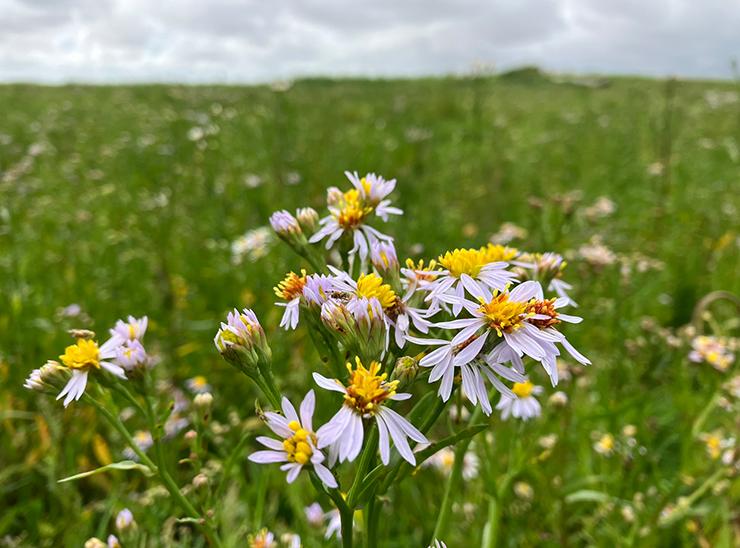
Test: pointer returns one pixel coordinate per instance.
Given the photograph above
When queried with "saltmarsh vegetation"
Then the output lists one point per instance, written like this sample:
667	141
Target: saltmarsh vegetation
638	448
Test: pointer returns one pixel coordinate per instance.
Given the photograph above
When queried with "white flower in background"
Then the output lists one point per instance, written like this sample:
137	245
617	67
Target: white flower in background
349	212
131	330
334	527
83	357
113	542
290	290
253	245
508	232
444	459
523	405
597	254
479	271
290	540
712	350
602	207
314	514
143	441
364	398
299	447
198	384
125	520
605	445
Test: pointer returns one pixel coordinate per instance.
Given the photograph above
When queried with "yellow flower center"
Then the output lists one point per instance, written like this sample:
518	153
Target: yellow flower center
366	389
606	443
297	446
470	261
352	210
523	389
199	381
503	315
371	285
427	273
83	355
714	445
545	307
292	286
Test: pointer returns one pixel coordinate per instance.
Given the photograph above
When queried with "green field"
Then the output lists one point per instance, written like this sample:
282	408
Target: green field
126	200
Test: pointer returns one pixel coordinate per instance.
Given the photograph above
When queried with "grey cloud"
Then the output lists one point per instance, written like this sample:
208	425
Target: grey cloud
230	40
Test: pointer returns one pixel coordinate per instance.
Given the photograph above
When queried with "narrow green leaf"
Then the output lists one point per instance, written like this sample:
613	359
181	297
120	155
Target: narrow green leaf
123	465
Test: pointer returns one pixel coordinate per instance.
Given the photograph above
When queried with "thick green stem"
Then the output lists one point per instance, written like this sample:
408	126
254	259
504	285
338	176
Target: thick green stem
346	516
373	517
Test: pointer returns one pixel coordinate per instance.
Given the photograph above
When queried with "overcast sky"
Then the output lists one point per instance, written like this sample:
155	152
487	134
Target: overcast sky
58	41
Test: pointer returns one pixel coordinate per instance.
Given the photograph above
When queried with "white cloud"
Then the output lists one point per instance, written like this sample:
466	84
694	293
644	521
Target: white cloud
246	41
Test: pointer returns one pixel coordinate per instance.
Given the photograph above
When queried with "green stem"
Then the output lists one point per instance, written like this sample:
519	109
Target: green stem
453	482
346	516
368	454
490	531
373	517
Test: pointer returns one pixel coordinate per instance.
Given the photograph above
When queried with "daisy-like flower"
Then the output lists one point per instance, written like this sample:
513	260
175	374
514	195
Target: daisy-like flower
253	245
715	444
350	210
198	384
364	398
444	459
143	440
383	257
299	445
84	356
712	350
318	289
524	321
314	514
263	539
523	405
479	271
605	445
131	355
133	329
368	294
418	276
291	291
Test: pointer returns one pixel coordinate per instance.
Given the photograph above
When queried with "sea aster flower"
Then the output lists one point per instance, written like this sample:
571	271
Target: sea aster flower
131	330
299	445
82	357
479	271
546	268
523	405
364	398
291	290
131	355
443	460
366	295
263	539
418	276
318	288
350	210
198	384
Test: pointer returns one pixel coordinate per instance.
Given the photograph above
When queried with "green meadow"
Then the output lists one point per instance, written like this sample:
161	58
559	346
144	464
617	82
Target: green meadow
133	199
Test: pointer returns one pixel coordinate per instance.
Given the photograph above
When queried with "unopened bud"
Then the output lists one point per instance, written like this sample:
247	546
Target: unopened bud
191	435
383	256
50	376
125	521
201	480
203	401
284	224
95	542
405	370
242	342
558	399
308	218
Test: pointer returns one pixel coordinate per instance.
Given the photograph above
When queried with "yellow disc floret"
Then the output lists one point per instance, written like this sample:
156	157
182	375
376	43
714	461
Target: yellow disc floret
371	285
299	446
426	273
367	390
83	355
545	307
502	314
292	286
522	389
351	210
471	261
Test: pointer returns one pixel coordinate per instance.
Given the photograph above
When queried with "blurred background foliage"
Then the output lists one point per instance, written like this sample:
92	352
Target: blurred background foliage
128	200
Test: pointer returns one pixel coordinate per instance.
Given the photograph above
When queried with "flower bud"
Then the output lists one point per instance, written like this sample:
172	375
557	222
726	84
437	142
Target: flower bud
558	399
405	370
284	224
308	218
201	480
242	342
51	376
95	542
383	256
82	334
125	521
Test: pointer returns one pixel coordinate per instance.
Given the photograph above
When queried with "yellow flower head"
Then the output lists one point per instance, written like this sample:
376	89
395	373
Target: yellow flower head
371	285
471	261
367	390
502	314
523	389
351	211
82	355
292	286
426	273
297	446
